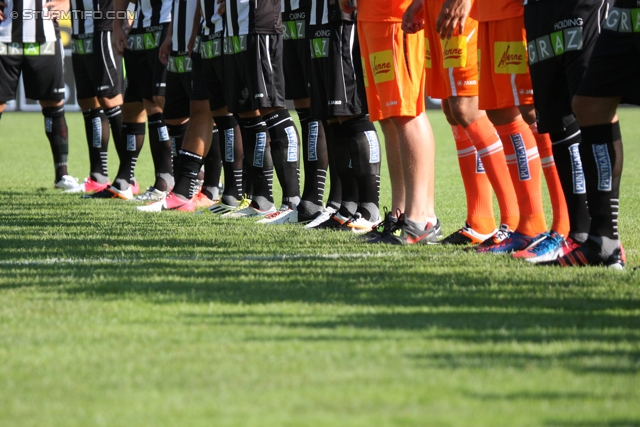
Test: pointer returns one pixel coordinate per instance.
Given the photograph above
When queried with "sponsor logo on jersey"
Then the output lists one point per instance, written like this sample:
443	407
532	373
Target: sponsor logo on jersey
292	144
258	155
510	58
382	66
374	146
427	53
228	145
312	144
293	30
320	47
391	103
454	52
555	44
334	102
623	20
603	162
96	140
522	160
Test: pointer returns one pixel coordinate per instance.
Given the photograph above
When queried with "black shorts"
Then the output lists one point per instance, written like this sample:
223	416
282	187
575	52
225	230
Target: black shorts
337	83
561	36
210	80
42	70
296	59
178	92
614	66
97	69
253	72
146	75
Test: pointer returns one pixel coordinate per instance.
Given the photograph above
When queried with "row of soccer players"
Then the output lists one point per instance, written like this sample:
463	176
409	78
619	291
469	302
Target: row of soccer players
500	149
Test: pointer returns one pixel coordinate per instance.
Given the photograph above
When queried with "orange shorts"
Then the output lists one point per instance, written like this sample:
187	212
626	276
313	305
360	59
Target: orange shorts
451	65
393	68
504	73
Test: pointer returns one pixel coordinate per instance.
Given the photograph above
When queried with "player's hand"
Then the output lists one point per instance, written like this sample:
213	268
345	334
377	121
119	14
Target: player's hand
222	7
119	39
452	17
413	18
165	51
2	15
55	7
348	6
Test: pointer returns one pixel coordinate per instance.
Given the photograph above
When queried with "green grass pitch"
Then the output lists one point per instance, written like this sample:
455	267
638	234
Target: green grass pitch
111	317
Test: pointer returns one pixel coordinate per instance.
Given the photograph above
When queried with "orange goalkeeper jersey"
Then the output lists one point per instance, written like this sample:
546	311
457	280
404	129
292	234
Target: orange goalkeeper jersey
495	10
382	10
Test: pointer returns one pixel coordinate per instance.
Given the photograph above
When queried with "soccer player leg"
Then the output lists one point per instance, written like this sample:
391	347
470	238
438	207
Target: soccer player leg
133	138
212	168
56	129
96	127
364	150
257	151
316	163
232	154
284	152
44	80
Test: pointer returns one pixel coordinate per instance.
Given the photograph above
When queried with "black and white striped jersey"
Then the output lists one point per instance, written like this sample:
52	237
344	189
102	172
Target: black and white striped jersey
150	13
293	5
325	11
182	19
96	20
212	21
253	17
29	25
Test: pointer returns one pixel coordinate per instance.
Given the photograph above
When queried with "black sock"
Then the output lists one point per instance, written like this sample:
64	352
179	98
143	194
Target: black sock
257	152
364	148
160	144
333	131
232	153
114	115
566	152
56	129
315	160
344	169
285	146
212	167
601	152
96	127
176	136
131	144
187	183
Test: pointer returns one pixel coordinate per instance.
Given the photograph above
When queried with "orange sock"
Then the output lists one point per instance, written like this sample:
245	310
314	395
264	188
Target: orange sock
558	203
526	174
483	136
476	184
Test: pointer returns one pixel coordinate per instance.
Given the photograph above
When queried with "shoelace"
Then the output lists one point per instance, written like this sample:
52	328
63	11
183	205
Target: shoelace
546	245
244	203
502	235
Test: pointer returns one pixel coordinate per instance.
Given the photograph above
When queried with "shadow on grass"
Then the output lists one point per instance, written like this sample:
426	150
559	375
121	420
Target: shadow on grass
437	293
612	423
